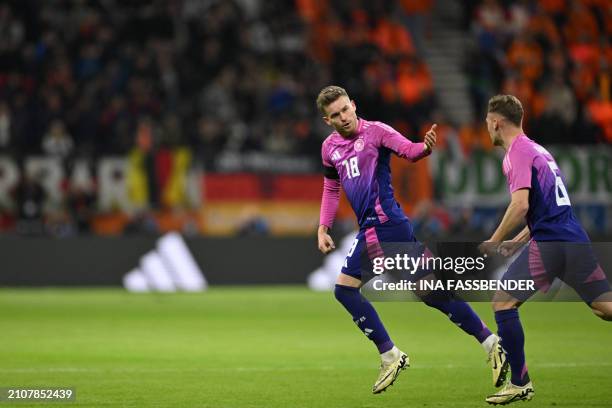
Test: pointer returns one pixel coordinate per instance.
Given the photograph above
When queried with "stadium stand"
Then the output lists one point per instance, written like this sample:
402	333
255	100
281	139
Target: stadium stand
180	88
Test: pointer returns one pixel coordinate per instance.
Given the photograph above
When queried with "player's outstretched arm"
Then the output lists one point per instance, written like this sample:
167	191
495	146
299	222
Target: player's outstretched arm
508	248
523	236
514	216
403	147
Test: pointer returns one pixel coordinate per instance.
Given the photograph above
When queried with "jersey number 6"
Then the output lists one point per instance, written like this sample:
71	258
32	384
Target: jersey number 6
560	190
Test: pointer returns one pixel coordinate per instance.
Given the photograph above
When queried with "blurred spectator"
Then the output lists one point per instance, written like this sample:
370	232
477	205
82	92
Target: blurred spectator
392	38
525	57
490	25
57	142
209	139
560	101
543	27
81	201
217	98
518	16
280	138
5	127
30	197
475	136
415	15
600	111
415	87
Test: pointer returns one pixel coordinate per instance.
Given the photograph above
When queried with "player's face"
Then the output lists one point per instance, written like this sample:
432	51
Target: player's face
341	114
493	122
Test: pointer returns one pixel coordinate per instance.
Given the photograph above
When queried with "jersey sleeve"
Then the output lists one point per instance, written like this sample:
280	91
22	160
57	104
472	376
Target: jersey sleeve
329	202
325	157
393	140
519	169
330	199
329	170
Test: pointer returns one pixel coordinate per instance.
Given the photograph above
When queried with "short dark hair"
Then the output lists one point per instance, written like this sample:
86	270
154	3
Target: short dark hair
328	95
508	106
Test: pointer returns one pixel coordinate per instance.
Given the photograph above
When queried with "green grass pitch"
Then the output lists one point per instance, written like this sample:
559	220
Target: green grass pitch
278	347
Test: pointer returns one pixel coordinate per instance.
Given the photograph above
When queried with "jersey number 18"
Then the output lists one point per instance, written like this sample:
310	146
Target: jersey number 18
352	169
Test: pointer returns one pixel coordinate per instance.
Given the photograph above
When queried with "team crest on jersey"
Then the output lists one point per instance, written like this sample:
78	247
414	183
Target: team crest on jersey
359	145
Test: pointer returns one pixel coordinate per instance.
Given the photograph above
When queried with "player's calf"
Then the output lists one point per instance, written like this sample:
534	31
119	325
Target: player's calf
603	310
504	301
602	305
364	315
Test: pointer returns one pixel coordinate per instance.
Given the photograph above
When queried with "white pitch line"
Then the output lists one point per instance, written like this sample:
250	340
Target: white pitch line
272	369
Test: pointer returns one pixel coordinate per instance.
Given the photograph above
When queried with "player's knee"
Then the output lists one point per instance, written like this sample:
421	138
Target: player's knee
436	299
338	293
342	293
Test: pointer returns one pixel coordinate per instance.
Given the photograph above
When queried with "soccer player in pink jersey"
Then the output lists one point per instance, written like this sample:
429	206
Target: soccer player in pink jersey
356	157
558	246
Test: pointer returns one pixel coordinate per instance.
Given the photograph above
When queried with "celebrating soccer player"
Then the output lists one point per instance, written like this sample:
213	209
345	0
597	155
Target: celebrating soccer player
356	156
558	246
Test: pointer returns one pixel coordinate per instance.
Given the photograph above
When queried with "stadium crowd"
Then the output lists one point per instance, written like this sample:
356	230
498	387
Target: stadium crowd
108	77
83	78
555	55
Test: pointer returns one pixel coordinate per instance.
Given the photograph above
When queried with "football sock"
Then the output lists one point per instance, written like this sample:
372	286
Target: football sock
460	313
487	345
390	356
510	330
364	316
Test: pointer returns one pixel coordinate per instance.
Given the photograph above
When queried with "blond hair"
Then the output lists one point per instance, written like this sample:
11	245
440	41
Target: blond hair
508	106
328	95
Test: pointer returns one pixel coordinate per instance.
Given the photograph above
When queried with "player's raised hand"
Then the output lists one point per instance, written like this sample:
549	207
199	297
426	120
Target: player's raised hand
430	138
326	243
